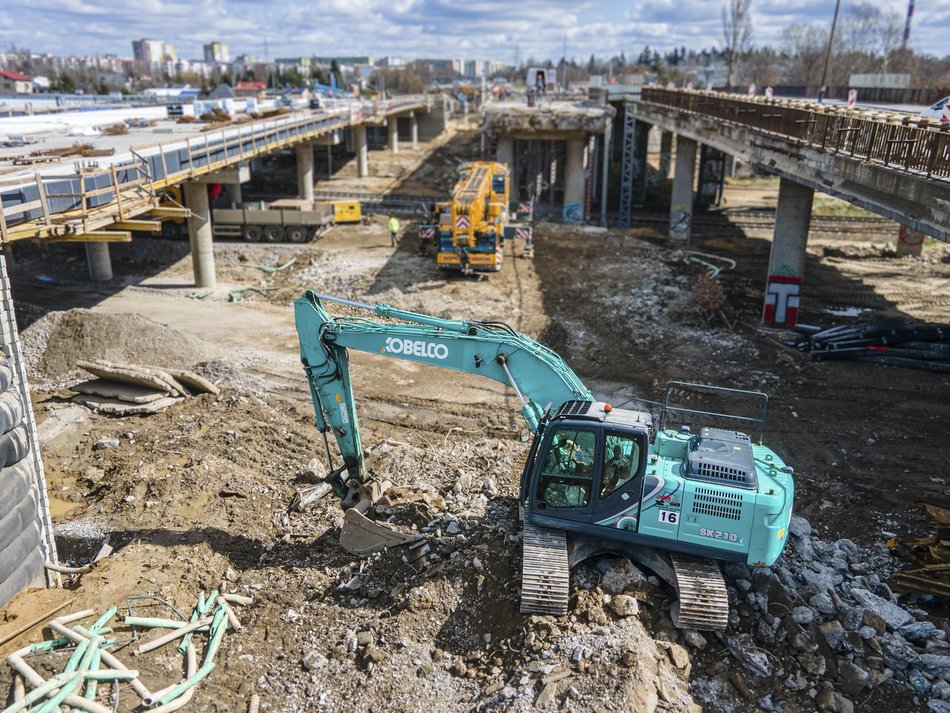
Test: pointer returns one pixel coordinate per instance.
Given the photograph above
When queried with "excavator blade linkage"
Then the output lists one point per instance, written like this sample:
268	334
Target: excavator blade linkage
545	571
703	601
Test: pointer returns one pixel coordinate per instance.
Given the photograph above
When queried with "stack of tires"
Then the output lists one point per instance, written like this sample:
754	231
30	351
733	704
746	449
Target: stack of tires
21	542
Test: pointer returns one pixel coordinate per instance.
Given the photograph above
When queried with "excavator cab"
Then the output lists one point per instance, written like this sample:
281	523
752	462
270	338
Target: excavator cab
586	465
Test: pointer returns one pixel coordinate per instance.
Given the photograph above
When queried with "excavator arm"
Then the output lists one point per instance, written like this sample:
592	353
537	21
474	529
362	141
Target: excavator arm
538	375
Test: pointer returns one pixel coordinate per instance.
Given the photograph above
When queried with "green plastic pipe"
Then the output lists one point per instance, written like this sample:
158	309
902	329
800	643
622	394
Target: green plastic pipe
91	682
204	606
200	674
41	691
49	645
101	621
83	665
218	626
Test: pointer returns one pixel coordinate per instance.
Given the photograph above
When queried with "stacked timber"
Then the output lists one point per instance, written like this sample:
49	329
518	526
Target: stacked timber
128	389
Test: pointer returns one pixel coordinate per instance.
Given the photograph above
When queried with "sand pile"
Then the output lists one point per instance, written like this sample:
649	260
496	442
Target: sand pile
53	344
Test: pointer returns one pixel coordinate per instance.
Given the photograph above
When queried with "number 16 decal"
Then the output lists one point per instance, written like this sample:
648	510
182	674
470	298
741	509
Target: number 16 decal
669	517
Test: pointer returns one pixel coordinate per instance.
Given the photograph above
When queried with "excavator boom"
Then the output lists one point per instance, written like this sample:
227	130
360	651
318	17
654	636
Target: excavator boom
539	376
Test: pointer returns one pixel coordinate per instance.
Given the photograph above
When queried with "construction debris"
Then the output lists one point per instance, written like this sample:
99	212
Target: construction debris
913	345
511	117
928	555
92	662
126	389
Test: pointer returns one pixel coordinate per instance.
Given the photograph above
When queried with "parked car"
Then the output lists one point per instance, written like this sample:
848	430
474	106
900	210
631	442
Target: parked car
939	111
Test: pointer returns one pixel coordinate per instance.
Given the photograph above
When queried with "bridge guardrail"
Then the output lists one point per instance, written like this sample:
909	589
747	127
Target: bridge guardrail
903	142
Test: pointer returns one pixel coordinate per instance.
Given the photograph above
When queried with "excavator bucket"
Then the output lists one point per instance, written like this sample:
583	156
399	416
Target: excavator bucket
361	536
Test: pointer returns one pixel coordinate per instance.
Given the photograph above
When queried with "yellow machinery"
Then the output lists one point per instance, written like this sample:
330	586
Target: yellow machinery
469	230
346	211
286	220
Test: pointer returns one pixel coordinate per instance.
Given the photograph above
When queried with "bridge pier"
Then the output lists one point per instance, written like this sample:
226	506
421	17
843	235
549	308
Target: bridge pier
414	130
236	193
910	242
575	180
787	257
200	234
393	126
99	262
666	153
362	149
305	171
681	205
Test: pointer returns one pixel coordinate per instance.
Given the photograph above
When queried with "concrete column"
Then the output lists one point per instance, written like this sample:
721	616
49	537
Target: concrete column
643	142
414	130
362	150
200	234
236	193
574	180
681	206
393	134
787	257
305	171
99	262
666	154
910	242
505	153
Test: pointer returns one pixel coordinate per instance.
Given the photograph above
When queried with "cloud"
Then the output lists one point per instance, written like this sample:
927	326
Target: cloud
485	29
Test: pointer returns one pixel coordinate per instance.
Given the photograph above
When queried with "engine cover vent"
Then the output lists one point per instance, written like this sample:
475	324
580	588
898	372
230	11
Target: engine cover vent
574	408
722	457
717	503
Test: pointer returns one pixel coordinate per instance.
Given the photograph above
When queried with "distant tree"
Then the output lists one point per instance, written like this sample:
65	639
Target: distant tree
292	77
64	83
335	72
737	33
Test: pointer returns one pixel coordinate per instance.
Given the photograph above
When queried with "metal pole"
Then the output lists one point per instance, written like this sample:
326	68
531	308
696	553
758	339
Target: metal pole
603	195
831	39
910	15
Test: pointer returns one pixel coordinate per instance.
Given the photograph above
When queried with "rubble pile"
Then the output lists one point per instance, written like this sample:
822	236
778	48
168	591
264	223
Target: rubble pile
509	117
127	389
822	628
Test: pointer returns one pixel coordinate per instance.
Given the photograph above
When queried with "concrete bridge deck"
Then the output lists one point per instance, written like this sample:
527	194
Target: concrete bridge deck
76	198
897	166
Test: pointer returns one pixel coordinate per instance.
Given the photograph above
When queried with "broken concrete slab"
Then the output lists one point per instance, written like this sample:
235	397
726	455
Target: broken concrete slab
135	375
115	407
119	390
197	384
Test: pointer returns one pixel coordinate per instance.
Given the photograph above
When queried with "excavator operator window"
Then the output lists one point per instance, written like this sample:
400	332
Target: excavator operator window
568	470
621	460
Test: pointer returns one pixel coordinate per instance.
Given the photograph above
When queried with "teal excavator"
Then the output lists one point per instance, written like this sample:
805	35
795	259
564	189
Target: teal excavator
597	479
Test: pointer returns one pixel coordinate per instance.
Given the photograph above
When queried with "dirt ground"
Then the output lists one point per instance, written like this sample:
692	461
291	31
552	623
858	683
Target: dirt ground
199	494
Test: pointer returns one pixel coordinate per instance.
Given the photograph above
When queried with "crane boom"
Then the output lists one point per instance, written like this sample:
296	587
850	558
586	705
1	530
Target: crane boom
541	379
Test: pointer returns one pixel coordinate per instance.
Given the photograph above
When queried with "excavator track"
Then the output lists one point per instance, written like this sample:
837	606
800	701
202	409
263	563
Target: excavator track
545	571
703	600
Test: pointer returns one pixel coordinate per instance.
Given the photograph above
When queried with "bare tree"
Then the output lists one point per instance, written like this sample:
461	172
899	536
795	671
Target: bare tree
737	32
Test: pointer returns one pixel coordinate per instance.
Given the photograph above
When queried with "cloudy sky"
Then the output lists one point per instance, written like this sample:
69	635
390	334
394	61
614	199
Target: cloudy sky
418	28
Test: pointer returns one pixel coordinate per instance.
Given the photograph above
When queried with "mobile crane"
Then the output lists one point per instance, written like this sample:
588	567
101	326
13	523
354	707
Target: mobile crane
469	230
596	479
